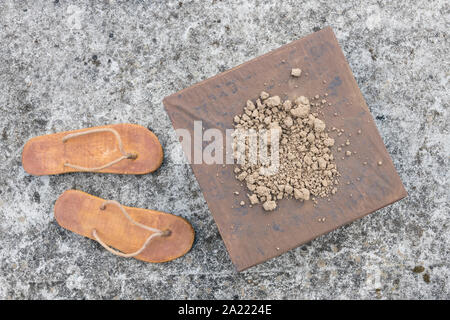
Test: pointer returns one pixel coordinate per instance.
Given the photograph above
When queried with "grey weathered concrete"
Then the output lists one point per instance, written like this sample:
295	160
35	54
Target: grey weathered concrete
65	66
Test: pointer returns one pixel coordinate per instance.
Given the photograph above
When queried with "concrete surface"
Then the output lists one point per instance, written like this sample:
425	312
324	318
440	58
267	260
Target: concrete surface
67	65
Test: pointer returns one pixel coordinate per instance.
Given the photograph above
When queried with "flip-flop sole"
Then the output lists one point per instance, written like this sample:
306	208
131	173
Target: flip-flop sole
48	154
80	212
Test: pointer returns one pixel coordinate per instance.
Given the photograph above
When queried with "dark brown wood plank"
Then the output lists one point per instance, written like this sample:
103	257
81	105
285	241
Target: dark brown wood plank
250	234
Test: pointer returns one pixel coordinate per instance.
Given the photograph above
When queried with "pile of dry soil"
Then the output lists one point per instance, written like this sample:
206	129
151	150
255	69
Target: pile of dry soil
306	164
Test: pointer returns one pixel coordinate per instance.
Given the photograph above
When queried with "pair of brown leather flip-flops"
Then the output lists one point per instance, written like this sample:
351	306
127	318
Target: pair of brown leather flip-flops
146	235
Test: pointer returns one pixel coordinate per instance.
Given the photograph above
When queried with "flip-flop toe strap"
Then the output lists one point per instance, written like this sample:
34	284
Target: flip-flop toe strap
156	232
125	155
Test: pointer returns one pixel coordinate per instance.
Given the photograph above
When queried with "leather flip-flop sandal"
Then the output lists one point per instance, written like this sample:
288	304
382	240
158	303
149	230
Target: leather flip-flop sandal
119	148
147	235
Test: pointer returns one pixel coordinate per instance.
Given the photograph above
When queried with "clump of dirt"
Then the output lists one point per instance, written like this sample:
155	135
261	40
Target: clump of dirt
296	72
305	168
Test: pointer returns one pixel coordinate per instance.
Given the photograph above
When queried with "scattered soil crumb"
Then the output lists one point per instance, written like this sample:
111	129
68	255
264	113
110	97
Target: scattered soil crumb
426	278
380	163
296	72
236	192
269	205
306	166
253	199
264	95
242	203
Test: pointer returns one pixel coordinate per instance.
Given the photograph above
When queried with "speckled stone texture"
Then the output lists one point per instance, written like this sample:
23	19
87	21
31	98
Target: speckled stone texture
67	65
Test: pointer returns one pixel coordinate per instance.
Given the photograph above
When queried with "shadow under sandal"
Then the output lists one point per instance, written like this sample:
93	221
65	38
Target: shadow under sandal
119	148
147	235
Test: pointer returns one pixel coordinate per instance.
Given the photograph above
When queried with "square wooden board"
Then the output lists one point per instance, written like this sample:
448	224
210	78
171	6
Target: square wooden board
252	235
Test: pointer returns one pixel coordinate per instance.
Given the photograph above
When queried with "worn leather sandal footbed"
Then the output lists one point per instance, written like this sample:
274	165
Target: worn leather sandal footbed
119	148
147	235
